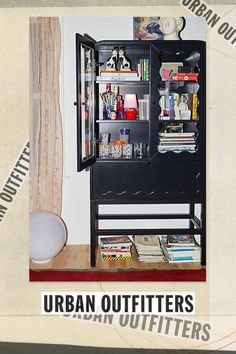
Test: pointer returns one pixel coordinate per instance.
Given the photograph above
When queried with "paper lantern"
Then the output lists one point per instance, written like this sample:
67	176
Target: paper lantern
47	236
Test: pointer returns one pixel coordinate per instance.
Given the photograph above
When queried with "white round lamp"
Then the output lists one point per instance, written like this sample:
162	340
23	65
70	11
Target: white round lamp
47	236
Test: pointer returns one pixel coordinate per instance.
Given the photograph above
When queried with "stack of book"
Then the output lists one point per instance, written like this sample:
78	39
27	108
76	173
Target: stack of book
118	75
177	142
148	248
185	76
143	108
180	248
115	248
143	69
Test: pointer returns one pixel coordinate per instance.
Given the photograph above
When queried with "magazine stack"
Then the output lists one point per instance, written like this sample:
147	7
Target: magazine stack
148	248
115	248
180	248
173	138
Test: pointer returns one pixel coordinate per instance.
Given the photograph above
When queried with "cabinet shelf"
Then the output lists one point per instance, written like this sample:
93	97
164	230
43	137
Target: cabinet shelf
125	121
176	81
122	159
120	82
179	120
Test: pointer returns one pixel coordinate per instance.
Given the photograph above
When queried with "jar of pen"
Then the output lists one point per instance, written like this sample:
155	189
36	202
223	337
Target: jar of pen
117	149
112	104
121	148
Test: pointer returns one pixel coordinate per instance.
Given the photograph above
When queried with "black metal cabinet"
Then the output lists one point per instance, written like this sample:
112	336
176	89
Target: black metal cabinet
172	177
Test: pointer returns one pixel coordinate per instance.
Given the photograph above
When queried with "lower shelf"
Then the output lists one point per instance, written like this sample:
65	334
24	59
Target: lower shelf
77	258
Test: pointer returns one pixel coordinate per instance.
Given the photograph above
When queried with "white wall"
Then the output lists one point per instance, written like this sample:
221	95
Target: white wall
76	197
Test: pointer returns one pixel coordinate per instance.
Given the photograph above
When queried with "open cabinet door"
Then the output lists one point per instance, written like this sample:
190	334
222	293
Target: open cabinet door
85	96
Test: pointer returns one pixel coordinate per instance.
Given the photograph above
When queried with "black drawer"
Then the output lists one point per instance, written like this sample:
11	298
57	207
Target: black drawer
140	180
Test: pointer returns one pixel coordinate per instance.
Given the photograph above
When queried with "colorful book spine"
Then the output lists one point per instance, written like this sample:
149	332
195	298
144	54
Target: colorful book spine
143	107
194	107
143	69
147	69
116	258
139	70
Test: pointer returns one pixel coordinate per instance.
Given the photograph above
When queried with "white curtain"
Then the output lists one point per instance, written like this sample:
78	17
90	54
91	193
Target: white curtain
46	160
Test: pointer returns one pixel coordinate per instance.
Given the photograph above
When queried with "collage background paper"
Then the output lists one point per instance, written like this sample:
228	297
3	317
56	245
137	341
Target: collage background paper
20	319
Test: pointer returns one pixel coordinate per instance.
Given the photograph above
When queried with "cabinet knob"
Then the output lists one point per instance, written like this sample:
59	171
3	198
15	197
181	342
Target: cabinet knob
75	103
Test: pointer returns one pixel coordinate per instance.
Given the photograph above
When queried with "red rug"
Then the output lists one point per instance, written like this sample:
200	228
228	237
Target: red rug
150	275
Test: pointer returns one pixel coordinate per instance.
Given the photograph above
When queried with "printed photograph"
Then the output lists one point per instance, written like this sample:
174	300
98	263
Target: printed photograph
118	149
158	28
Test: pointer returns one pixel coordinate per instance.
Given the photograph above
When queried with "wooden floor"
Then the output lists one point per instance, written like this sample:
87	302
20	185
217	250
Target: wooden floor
77	257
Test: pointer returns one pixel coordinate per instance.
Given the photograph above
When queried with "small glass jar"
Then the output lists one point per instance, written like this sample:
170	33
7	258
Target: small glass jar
116	150
140	150
128	151
104	151
105	138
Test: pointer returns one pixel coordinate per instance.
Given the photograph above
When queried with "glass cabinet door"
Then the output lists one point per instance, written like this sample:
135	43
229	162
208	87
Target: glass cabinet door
85	102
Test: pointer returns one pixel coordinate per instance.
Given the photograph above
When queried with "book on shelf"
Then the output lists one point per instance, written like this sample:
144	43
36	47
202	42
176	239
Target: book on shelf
177	140
116	258
115	247
177	145
111	248
144	108
182	146
185	76
118	78
177	135
148	248
115	254
181	240
180	248
147	241
188	259
118	73
173	138
116	241
143	69
177	148
194	106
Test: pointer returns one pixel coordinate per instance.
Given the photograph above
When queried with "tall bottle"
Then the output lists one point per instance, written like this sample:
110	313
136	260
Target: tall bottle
116	92
108	98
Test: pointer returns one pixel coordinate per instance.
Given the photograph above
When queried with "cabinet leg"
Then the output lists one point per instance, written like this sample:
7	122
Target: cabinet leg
192	213
203	236
93	227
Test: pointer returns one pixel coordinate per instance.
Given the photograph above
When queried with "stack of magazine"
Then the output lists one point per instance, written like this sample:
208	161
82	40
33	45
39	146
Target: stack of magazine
180	248
173	138
115	248
118	75
176	142
148	248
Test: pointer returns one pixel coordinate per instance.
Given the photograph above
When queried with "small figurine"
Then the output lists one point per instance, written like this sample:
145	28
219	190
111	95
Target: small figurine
125	63
120	107
176	109
171	27
111	62
113	115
